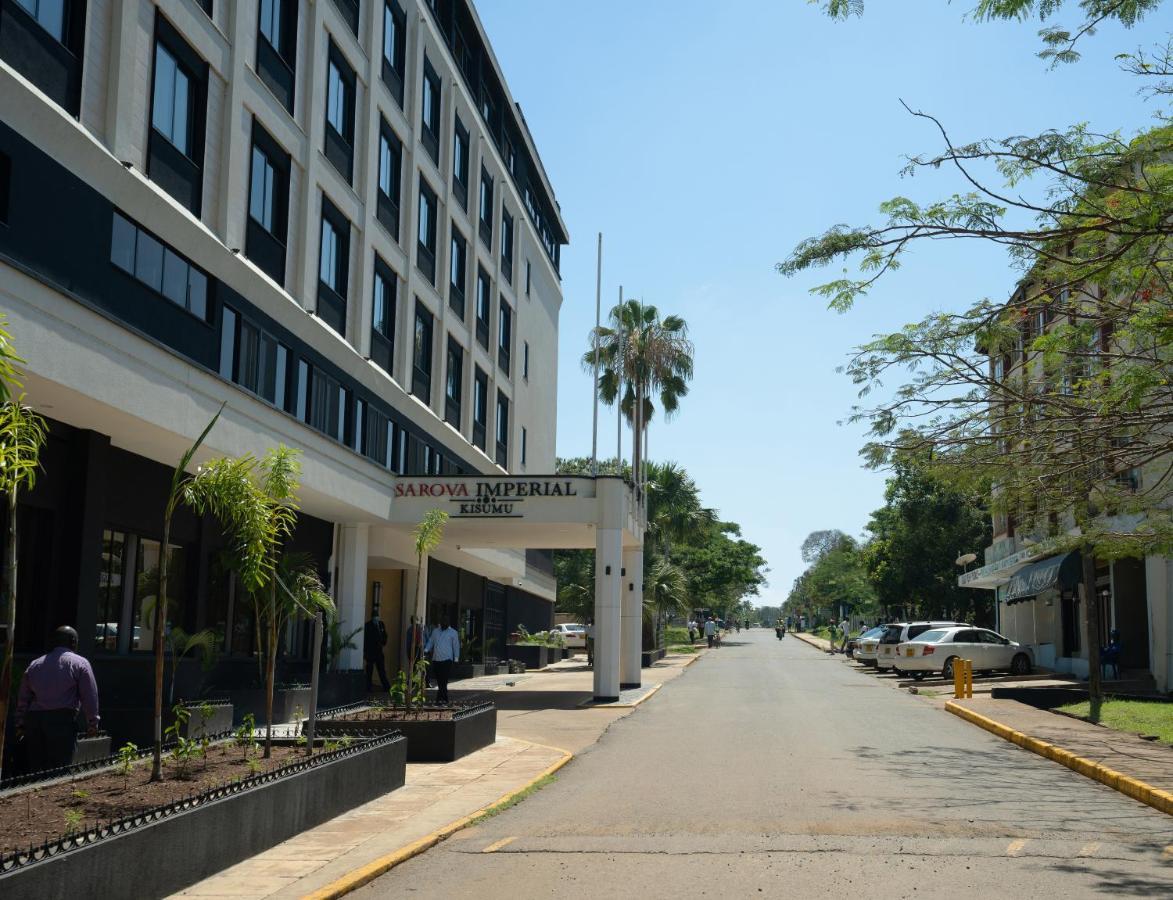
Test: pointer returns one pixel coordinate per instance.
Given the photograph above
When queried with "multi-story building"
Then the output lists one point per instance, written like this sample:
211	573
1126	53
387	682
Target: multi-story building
330	216
1038	593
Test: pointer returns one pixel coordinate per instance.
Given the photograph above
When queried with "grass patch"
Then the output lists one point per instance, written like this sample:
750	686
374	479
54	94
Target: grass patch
682	648
675	634
499	808
1135	716
823	632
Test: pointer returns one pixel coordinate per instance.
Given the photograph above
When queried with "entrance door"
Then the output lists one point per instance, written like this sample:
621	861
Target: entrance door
1069	611
1132	612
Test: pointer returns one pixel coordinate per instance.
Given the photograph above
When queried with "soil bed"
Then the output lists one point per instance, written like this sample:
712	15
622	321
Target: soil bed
399	714
35	815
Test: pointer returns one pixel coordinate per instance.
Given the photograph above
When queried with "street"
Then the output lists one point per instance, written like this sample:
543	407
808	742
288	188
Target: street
769	767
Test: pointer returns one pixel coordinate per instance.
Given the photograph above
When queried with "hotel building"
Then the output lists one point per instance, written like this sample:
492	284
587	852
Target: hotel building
330	216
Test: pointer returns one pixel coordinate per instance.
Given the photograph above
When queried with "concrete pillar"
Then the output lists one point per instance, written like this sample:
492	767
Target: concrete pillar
351	591
631	642
608	606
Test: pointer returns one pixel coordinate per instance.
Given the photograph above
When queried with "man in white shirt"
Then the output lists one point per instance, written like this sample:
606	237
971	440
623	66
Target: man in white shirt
444	646
710	630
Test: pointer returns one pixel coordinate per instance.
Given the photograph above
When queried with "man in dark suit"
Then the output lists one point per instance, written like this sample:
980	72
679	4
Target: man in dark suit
374	639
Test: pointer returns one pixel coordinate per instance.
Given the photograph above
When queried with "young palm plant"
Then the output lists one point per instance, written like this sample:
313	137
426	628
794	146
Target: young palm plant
641	356
22	434
428	534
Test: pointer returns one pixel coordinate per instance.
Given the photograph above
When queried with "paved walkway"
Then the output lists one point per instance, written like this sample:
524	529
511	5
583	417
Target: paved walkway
535	711
1129	754
769	769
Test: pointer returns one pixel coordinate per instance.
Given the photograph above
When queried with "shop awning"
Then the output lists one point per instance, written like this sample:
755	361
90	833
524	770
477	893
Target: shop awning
1062	571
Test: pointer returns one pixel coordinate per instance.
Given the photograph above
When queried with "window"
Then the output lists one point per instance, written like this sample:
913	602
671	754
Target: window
376	436
394	44
482	304
421	376
49	14
430	111
457	273
525	360
171	108
268	205
524	440
340	113
390	160
426	252
460	162
157	266
528	275
506	245
333	267
349	10
383	316
480	407
502	430
510	157
504	335
277	48
5	183
253	359
486	208
453	380
325	406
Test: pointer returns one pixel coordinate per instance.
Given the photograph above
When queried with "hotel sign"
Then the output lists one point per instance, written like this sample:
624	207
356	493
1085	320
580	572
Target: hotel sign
498	499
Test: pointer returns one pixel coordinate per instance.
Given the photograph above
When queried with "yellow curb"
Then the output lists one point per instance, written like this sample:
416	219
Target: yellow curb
809	639
382	865
698	655
1125	784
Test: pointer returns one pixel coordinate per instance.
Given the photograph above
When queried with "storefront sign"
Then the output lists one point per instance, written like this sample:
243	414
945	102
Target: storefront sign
485	499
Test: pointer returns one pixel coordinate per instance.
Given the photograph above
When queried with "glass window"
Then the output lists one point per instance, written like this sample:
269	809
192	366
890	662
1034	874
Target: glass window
455	372
260	203
175	278
457	263
390	36
524	438
505	328
431	99
480	398
122	240
525	359
423	341
460	154
227	343
280	376
271	23
336	99
50	15
303	385
502	420
929	637
148	261
111	573
427	218
486	209
328	268
146	591
383	303
388	168
169	112
482	296
197	292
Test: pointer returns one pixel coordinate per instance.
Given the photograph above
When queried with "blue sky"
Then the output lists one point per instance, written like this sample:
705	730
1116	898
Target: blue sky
705	140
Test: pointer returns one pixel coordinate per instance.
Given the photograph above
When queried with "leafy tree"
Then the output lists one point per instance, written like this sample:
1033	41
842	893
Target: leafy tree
834	580
721	567
22	435
641	356
917	535
675	512
1059	398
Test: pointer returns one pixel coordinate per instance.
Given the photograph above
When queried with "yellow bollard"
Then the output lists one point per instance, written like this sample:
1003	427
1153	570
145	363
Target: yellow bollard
969	678
962	678
957	679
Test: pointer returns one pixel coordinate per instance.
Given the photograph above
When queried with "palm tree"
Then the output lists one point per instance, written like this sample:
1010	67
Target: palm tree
675	512
641	356
665	591
428	534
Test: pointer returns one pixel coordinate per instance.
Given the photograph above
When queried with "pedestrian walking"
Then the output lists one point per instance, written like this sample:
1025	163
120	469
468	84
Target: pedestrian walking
590	642
54	688
444	647
692	631
374	639
710	631
846	627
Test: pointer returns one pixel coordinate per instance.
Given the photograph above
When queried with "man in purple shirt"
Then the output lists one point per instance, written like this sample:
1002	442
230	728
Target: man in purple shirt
55	686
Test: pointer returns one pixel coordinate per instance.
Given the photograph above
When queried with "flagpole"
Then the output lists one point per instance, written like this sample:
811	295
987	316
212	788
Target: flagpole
598	324
620	365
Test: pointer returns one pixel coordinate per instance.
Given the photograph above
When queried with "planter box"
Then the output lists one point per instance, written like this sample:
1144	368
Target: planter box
428	741
469	670
199	837
286	702
535	656
650	656
220	721
340	688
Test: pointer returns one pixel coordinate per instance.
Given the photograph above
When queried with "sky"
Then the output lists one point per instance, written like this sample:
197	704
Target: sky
704	140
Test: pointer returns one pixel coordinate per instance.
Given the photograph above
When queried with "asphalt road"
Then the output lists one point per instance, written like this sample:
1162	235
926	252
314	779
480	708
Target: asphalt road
769	768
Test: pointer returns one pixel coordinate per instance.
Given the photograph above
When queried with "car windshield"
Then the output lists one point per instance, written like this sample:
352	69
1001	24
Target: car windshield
932	636
872	633
892	633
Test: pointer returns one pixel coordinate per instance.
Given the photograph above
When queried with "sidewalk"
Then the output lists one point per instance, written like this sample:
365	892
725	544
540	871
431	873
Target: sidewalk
539	727
1147	762
818	642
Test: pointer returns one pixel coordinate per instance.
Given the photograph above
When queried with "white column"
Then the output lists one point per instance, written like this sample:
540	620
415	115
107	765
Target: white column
631	642
351	592
608	586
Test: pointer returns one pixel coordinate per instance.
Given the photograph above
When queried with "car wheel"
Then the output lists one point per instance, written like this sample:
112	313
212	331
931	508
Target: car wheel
947	669
1020	665
918	676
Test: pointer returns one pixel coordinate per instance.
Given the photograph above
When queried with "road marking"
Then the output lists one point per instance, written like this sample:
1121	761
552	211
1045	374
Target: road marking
497	845
1015	847
1089	849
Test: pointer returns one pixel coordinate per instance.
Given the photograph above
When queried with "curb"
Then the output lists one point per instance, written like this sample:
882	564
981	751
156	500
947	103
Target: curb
590	704
809	639
695	657
372	870
1125	784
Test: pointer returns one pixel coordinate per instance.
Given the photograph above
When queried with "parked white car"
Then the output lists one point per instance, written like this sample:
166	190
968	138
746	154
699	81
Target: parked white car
867	644
573	634
937	649
898	633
